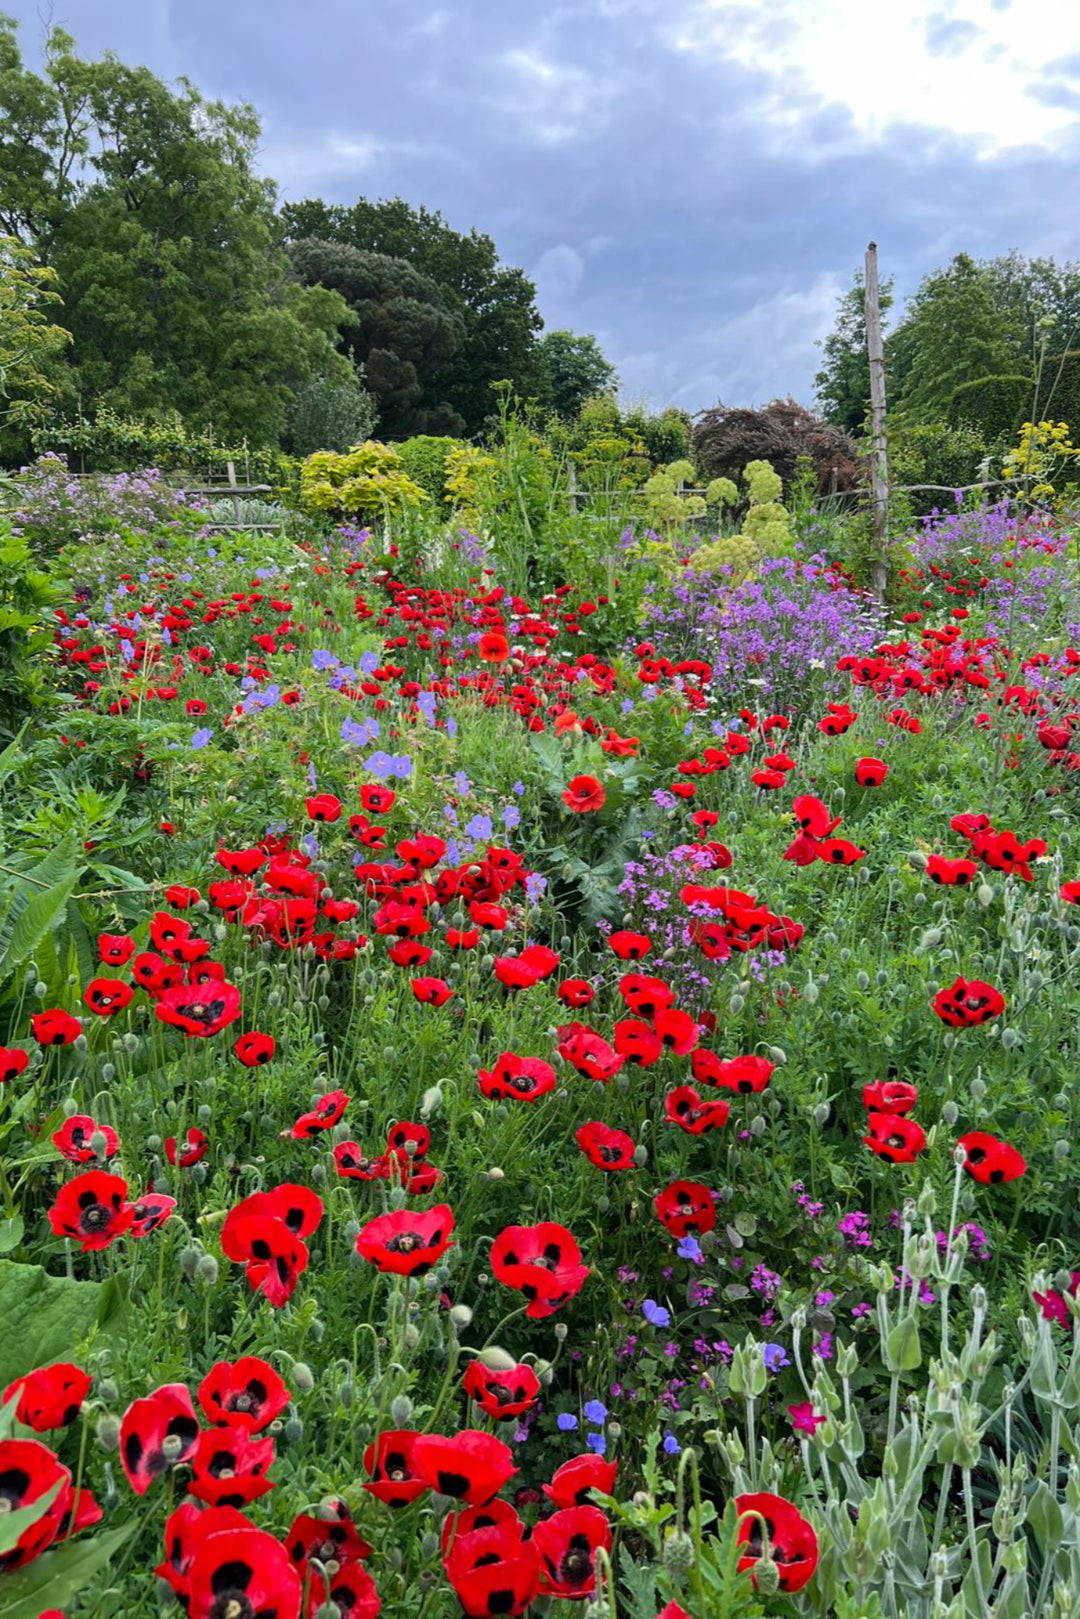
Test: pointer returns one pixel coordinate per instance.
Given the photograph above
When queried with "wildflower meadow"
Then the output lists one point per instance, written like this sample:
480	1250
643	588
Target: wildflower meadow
537	1082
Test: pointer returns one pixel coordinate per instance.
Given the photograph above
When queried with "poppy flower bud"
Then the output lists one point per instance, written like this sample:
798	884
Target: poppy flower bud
431	1101
641	1156
862	979
984	894
821	1115
412	1334
293	1431
1010	1039
79	1043
207	1270
40	990
345	1394
461	1315
189	1263
978	1089
99	1144
429	1545
777	1056
204	1114
737	1003
949	1113
401	1410
108	1431
678	1553
1061	1149
496	1174
131	1044
758	1126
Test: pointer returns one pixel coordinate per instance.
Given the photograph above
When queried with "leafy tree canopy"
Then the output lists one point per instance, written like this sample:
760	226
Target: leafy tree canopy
573	369
842	386
144	200
496	302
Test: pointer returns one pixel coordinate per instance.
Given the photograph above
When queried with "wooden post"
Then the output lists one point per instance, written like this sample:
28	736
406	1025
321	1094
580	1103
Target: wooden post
236	498
879	455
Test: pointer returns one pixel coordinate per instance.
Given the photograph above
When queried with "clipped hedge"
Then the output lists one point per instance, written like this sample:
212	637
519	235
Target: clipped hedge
425	458
1059	394
994	406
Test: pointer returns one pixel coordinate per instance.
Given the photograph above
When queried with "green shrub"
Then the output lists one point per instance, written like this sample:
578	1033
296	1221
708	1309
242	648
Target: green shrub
330	413
368	483
113	443
993	406
26	596
938	454
1059	391
426	460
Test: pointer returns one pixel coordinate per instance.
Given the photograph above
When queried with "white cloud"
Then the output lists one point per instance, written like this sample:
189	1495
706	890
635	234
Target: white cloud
558	272
974	67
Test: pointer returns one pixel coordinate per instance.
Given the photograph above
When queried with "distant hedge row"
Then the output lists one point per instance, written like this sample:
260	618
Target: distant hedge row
996	406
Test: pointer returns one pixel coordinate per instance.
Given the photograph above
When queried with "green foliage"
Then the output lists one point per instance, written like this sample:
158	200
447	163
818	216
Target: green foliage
842	386
766	531
55	1314
366	483
30	340
936	453
427	460
58	1575
1059	391
330	413
664	500
993	406
400	328
667	435
27	594
108	442
496	302
145	201
952	332
572	370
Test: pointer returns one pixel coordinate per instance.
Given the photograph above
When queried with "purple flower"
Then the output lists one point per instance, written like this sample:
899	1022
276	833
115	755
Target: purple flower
775	1358
655	1314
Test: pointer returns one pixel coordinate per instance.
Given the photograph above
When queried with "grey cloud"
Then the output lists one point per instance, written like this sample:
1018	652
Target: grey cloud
694	214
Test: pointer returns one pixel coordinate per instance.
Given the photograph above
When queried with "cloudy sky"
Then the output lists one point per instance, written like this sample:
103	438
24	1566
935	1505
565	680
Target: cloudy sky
695	181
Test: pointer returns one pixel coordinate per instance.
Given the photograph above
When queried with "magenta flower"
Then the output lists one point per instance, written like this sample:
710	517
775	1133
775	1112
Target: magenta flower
804	1419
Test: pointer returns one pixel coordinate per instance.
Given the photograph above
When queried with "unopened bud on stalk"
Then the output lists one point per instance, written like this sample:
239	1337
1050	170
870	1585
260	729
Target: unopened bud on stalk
108	1431
293	1431
461	1315
207	1270
401	1410
950	1113
303	1378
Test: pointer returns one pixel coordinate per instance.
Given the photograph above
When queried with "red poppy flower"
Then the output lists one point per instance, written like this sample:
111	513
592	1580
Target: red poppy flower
686	1208
950	873
229	1466
630	946
185	1531
686	1108
637	1043
28	1471
199	1010
608	1149
747	1075
586	1051
156	1433
493	1570
578	992
1003	851
192	1149
568	1542
354	1164
792	1543
239	1573
329	1536
150	1212
407	1140
472	1466
377	800
407	1243
408	953
494	647
645	996
968	1002
1070	893
245	1393
92	1209
522	1079
892	1136
55	1028
677	1030
13	1062
813	816
323	807
254	1049
541	1261
770	781
327	1112
583	795
49	1398
389	1461
115	949
574	1482
989	1160
870	772
501	1392
432	991
75	1137
265	1233
890	1096
839	852
181	897
469	938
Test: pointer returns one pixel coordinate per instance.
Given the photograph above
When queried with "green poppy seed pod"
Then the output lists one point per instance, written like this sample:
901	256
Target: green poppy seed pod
293	1431
189	1262
496	1174
107	1431
737	1004
461	1315
918	898
862	979
274	997
207	1270
641	1156
821	1114
328	1610
561	1330
1010	1039
171	1446
107	1390
323	1002
950	1113
99	1144
401	1410
80	1044
303	1378
678	1553
1061	1149
108	1072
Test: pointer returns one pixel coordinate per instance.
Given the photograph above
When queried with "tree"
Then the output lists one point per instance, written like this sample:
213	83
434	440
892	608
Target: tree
30	340
178	294
398	327
842	386
783	433
952	332
573	369
497	302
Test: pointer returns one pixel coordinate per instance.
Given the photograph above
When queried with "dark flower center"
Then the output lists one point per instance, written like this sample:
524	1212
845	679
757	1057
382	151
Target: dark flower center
576	1567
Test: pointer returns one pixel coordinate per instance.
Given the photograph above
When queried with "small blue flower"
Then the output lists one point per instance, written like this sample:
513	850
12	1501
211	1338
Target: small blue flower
595	1411
775	1358
479	827
202	737
566	1422
597	1442
655	1314
671	1445
690	1248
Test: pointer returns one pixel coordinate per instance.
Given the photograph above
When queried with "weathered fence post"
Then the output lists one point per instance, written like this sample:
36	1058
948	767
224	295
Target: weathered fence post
879	455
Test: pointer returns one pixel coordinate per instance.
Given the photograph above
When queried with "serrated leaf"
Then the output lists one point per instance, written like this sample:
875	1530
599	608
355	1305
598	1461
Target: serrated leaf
37	917
54	1578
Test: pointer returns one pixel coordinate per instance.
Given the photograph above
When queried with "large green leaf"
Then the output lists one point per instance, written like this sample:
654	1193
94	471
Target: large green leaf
37	917
46	1317
14	1524
54	1578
